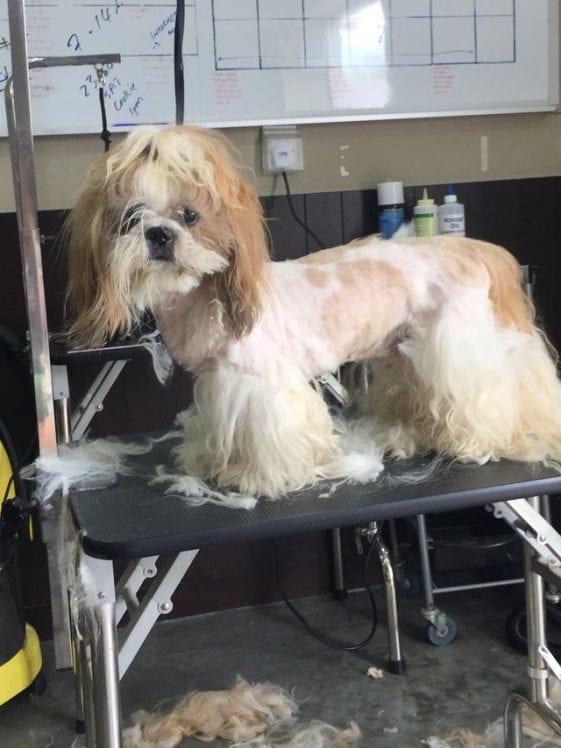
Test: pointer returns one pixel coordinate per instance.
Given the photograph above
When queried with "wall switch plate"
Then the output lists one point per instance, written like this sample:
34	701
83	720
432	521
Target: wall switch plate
282	149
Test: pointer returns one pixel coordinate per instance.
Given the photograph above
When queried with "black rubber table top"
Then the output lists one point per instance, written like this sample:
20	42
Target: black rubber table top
133	519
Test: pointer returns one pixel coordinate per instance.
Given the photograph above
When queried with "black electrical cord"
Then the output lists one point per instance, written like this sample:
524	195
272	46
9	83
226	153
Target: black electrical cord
19	352
314	632
13	514
298	220
179	82
105	135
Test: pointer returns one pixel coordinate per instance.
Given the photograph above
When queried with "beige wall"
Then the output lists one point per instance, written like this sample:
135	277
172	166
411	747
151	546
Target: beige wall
413	151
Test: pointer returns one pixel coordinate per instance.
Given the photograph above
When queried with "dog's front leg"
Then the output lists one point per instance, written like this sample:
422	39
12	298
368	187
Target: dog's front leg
259	436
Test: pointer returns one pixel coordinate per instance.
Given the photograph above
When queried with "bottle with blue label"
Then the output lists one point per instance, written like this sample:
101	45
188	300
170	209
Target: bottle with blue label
391	213
451	215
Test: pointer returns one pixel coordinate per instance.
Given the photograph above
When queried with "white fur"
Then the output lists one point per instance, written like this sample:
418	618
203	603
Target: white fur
246	432
316	735
533	727
197	492
162	362
95	462
469	382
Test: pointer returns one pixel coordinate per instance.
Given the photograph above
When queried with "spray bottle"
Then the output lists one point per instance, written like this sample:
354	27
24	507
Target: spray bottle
390	208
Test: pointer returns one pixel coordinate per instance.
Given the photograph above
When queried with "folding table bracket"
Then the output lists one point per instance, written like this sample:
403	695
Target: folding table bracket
92	402
105	654
156	600
130	582
534	529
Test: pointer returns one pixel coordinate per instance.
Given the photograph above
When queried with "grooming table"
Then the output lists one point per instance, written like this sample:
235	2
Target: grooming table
134	520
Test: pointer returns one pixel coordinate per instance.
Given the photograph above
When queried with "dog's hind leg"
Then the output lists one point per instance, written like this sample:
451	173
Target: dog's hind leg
481	391
396	402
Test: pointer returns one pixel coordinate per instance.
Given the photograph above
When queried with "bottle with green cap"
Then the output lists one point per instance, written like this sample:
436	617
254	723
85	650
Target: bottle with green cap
425	216
451	215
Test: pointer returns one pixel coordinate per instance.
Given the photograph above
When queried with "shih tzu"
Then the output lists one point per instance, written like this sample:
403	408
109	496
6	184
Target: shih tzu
166	222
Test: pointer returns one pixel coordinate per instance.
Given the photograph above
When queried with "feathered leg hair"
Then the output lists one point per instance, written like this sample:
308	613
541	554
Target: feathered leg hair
478	382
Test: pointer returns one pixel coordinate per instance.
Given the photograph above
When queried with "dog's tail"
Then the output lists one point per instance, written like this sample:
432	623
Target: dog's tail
511	304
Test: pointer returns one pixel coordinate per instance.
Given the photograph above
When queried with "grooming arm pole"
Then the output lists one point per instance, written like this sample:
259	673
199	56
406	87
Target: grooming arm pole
18	115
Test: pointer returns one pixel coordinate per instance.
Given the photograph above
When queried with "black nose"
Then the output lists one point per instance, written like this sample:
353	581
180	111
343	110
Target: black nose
160	243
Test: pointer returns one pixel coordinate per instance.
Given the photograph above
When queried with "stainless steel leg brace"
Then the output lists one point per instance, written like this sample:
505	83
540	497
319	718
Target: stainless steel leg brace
542	558
105	656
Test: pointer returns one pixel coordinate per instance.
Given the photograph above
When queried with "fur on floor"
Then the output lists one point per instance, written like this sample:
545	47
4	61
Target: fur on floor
247	715
533	728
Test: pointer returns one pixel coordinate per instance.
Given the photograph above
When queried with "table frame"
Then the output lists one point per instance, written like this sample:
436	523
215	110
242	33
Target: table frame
104	654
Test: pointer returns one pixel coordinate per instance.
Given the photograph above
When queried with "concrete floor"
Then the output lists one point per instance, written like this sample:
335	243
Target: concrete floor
461	685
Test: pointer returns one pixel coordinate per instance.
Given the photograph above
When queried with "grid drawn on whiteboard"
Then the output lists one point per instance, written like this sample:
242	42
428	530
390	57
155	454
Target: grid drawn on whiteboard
263	34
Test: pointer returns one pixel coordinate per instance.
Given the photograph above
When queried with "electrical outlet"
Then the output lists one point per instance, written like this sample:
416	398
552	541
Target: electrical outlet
282	149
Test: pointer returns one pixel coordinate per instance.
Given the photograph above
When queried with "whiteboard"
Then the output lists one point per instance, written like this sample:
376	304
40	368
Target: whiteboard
289	61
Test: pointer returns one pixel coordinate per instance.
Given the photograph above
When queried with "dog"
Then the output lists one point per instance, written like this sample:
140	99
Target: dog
166	221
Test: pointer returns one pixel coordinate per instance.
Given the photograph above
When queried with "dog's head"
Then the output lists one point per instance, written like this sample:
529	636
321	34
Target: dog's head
163	212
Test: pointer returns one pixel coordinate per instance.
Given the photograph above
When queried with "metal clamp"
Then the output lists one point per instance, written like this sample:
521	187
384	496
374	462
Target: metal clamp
532	527
550	660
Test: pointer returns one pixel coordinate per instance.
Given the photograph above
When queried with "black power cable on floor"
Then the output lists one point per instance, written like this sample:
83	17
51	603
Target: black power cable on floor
317	634
296	217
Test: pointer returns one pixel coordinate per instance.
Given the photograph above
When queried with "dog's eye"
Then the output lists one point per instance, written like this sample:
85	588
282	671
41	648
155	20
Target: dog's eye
190	217
130	217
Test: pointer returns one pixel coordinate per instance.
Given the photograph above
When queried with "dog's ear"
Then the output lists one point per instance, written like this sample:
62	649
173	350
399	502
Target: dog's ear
240	287
94	311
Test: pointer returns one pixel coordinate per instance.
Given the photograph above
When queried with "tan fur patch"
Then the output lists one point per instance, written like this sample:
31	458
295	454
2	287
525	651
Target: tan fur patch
466	261
317	277
353	272
371	301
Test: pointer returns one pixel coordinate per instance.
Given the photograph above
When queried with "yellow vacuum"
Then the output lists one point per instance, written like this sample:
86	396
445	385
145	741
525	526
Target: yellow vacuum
20	652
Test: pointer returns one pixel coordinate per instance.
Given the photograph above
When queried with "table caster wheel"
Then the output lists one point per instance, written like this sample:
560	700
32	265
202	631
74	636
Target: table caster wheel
516	634
443	635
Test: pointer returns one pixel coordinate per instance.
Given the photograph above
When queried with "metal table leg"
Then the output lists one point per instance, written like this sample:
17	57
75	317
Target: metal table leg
99	652
396	663
542	548
339	590
105	676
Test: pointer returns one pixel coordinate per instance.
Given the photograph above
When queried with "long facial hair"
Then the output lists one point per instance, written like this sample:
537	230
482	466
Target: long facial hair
156	180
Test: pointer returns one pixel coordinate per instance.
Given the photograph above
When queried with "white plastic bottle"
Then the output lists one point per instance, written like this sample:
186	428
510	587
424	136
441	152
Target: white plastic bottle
451	215
425	216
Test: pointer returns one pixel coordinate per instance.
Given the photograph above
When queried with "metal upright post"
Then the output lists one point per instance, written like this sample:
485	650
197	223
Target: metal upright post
18	111
21	142
25	191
